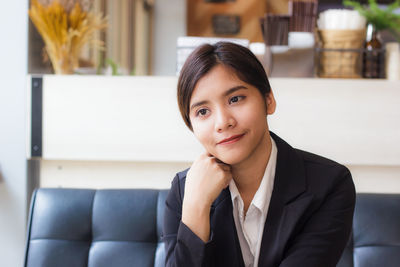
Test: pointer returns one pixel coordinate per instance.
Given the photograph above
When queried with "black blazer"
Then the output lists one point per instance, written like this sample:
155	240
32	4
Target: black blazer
308	223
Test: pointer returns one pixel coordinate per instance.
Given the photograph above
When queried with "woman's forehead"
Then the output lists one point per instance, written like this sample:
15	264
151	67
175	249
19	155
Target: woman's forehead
218	80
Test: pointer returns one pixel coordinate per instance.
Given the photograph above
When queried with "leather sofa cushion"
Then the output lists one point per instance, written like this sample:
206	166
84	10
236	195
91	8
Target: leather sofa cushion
79	227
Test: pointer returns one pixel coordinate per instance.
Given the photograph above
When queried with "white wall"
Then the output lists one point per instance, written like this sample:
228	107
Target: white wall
120	135
13	167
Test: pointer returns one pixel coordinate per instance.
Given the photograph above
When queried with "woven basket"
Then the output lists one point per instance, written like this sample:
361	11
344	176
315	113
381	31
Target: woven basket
340	63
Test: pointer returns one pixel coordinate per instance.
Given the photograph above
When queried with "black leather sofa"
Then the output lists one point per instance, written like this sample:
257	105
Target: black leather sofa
120	228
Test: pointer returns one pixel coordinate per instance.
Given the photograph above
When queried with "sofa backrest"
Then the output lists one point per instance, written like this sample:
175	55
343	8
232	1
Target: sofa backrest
119	228
96	228
375	240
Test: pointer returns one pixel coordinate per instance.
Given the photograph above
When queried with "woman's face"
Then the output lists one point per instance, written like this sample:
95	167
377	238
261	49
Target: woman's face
228	116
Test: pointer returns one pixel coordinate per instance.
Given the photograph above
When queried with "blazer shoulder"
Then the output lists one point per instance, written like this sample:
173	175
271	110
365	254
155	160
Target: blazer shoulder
325	176
314	159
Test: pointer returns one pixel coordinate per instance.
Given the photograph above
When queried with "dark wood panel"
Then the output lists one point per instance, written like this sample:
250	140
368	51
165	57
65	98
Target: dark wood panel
242	13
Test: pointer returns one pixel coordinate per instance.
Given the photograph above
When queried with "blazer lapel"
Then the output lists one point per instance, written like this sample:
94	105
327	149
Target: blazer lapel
287	203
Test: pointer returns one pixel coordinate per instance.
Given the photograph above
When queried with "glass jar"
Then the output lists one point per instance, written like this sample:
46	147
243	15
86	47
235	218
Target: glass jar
373	64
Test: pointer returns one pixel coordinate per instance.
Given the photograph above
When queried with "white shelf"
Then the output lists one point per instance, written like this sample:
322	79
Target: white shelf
106	118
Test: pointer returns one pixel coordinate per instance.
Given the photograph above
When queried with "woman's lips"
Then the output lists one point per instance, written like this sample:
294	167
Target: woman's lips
231	140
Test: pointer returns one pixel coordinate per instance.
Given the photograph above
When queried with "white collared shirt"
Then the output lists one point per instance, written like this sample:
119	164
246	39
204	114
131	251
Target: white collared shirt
250	226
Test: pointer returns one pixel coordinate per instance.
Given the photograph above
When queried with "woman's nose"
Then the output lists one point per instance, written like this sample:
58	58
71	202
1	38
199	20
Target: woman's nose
224	120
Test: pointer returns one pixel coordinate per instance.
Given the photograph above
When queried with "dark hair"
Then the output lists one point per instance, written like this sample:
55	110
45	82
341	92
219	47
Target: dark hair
240	59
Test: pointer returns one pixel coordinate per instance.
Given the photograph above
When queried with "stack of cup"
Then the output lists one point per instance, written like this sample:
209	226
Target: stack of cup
341	34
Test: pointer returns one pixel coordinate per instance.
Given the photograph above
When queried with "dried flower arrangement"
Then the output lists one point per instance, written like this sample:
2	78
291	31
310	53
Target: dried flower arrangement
66	26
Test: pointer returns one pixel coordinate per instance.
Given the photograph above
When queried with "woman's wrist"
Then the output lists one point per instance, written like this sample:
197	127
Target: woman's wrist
197	218
195	208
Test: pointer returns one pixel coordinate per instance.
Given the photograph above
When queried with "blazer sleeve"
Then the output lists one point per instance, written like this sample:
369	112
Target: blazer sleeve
325	235
182	246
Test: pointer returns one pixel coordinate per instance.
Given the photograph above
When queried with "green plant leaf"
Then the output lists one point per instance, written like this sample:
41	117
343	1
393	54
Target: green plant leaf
100	65
393	6
381	18
113	65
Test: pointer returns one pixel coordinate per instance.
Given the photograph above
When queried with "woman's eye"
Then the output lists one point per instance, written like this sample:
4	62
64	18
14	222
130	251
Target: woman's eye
235	99
202	112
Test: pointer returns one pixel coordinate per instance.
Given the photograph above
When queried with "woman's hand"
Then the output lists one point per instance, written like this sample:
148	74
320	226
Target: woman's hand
205	180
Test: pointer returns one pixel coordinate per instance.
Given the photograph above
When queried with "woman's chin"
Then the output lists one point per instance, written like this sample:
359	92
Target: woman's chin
230	157
229	160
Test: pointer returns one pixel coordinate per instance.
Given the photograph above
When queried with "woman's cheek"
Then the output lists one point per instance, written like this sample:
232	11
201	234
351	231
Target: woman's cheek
204	132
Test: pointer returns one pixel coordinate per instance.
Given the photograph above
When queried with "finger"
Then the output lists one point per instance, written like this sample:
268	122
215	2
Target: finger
224	167
228	182
209	154
214	157
220	161
221	164
217	160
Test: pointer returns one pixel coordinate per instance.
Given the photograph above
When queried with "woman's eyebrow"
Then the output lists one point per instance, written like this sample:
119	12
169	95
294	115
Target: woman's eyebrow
234	89
198	104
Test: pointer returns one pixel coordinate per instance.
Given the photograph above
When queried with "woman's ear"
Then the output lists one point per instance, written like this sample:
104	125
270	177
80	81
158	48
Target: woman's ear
270	103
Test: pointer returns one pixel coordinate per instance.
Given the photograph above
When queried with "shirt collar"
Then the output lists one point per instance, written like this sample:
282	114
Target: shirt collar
266	185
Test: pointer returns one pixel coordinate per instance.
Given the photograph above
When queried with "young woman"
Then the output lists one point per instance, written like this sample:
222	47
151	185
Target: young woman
250	199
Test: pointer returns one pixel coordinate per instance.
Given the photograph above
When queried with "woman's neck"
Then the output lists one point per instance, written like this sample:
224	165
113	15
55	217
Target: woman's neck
249	173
